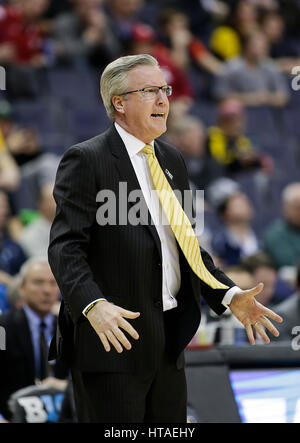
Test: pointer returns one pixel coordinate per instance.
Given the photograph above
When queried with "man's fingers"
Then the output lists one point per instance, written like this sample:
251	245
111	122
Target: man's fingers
111	337
271	314
128	314
128	328
122	338
256	290
104	341
261	331
269	325
250	335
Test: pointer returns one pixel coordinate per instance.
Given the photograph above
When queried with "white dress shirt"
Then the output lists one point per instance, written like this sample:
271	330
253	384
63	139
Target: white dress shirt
170	258
171	278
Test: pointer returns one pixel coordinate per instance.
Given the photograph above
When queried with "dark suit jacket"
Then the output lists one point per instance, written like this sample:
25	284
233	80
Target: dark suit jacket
17	364
122	263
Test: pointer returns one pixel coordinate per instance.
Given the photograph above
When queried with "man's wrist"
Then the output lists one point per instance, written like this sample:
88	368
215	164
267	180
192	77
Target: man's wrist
229	295
90	306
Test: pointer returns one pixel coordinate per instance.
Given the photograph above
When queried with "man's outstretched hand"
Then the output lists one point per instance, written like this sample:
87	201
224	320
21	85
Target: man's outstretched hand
253	314
107	319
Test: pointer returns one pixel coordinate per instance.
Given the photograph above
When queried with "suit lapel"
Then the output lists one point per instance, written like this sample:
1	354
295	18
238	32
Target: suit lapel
164	164
25	339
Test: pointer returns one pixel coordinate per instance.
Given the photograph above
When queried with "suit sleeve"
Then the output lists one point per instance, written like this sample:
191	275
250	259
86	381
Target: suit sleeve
75	196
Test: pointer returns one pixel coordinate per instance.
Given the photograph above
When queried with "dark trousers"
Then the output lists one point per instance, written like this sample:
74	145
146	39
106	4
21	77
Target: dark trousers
155	397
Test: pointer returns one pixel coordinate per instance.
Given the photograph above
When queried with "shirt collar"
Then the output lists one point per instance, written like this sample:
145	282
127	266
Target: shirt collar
132	144
34	320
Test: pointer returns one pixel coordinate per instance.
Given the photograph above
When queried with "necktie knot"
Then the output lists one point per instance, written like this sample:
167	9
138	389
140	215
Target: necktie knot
148	149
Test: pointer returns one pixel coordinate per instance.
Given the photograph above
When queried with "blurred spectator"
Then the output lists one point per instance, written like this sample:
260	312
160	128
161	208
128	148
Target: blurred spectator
184	47
28	333
23	47
57	7
9	171
241	276
253	78
226	39
290	311
36	166
228	144
84	35
284	50
23	144
35	237
263	270
21	39
188	135
144	41
203	14
237	239
290	11
282	237
14	298
123	16
11	253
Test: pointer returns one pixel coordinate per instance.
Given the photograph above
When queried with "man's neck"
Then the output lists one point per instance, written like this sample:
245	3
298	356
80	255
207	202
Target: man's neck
126	129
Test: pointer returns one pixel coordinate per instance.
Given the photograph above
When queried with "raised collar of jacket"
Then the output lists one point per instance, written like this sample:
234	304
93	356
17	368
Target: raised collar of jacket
132	144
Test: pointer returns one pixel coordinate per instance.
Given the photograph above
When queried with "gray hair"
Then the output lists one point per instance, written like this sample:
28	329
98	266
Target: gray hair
25	268
114	79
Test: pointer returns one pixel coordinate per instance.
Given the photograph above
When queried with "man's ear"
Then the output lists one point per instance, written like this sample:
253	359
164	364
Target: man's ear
118	103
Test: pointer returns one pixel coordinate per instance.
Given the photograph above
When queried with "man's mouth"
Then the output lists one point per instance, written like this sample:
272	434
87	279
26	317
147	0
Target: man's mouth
158	115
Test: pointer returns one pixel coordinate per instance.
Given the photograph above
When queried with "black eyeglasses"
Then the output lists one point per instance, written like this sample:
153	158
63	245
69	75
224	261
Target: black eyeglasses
150	92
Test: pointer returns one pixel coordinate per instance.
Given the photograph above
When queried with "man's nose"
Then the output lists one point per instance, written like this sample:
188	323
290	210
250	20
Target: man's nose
161	97
47	288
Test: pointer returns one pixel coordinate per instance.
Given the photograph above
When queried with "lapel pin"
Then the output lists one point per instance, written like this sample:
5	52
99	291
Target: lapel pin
169	174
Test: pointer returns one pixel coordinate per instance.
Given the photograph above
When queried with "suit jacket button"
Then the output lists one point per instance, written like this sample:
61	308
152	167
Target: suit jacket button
159	264
158	304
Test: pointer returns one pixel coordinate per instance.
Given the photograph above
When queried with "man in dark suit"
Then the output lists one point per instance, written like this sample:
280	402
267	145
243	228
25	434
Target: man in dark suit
122	270
28	332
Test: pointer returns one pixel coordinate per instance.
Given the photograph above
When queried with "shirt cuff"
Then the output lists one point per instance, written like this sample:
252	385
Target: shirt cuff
229	296
95	301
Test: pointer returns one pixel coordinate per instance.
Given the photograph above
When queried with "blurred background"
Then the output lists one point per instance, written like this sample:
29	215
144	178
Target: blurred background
234	115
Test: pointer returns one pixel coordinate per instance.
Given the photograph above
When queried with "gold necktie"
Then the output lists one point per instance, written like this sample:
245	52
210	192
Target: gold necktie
179	222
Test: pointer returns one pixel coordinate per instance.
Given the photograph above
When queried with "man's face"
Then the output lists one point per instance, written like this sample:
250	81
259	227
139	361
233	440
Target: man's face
239	209
257	48
34	8
126	8
145	119
192	140
233	125
268	277
39	290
